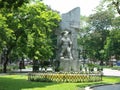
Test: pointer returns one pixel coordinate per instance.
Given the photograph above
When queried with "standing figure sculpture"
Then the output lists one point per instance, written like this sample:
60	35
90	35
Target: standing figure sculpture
66	44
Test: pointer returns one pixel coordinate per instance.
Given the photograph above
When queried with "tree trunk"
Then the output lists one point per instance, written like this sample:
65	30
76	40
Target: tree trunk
4	68
6	58
5	64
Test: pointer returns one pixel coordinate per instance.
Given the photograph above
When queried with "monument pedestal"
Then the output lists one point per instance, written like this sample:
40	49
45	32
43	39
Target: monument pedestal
68	65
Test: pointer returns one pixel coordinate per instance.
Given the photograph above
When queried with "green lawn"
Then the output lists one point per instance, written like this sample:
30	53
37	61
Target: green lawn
20	82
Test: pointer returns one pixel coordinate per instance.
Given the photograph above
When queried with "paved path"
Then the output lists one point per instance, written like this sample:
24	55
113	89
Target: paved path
110	72
106	71
104	87
30	70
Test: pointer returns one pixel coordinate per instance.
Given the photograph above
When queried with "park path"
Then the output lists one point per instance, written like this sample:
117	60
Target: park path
106	71
110	72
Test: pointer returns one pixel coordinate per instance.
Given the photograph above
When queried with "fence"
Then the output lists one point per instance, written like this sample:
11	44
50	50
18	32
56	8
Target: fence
65	77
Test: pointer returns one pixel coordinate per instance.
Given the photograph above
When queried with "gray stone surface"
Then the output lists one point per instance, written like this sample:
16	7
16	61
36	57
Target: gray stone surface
108	87
68	65
75	65
65	65
71	22
71	19
105	87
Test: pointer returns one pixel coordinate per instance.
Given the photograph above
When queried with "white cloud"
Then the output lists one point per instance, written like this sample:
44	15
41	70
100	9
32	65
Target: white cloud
64	6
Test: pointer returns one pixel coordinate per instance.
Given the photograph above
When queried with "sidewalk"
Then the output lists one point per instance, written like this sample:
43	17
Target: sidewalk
106	71
110	72
30	70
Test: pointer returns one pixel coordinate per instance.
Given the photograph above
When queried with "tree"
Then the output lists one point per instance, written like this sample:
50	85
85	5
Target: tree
98	30
111	4
28	31
12	4
101	20
117	3
111	46
116	23
83	33
96	37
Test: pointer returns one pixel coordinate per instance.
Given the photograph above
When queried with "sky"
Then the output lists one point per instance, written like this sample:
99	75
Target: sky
63	6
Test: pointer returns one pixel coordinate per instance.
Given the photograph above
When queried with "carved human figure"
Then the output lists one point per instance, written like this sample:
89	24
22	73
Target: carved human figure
66	44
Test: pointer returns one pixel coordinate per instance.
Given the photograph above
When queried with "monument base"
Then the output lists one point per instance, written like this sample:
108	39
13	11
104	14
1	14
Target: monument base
68	65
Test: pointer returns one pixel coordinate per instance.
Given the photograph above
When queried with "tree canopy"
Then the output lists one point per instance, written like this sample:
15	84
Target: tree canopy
100	35
27	31
12	4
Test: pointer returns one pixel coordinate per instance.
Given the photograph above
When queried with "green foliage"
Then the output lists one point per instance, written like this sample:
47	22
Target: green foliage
101	39
42	21
109	5
112	46
12	4
101	20
28	30
116	23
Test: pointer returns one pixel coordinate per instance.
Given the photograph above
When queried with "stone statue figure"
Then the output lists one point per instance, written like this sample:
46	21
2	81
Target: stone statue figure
66	44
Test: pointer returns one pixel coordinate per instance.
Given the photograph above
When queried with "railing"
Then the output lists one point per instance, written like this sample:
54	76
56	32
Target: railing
65	77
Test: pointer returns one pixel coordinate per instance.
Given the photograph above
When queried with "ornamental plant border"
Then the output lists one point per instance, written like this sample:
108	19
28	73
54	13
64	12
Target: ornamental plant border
66	77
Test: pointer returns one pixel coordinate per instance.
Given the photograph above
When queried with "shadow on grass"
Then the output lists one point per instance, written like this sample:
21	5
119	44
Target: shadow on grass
106	80
83	85
7	83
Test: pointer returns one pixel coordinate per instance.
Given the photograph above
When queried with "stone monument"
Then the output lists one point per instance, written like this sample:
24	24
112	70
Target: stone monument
67	53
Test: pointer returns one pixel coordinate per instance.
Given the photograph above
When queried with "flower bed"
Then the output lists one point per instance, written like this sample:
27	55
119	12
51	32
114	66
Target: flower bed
64	77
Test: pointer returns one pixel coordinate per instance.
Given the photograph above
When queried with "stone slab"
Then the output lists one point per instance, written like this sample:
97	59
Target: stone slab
68	65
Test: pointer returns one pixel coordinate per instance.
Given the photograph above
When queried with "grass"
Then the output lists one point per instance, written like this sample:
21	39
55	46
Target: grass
20	82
